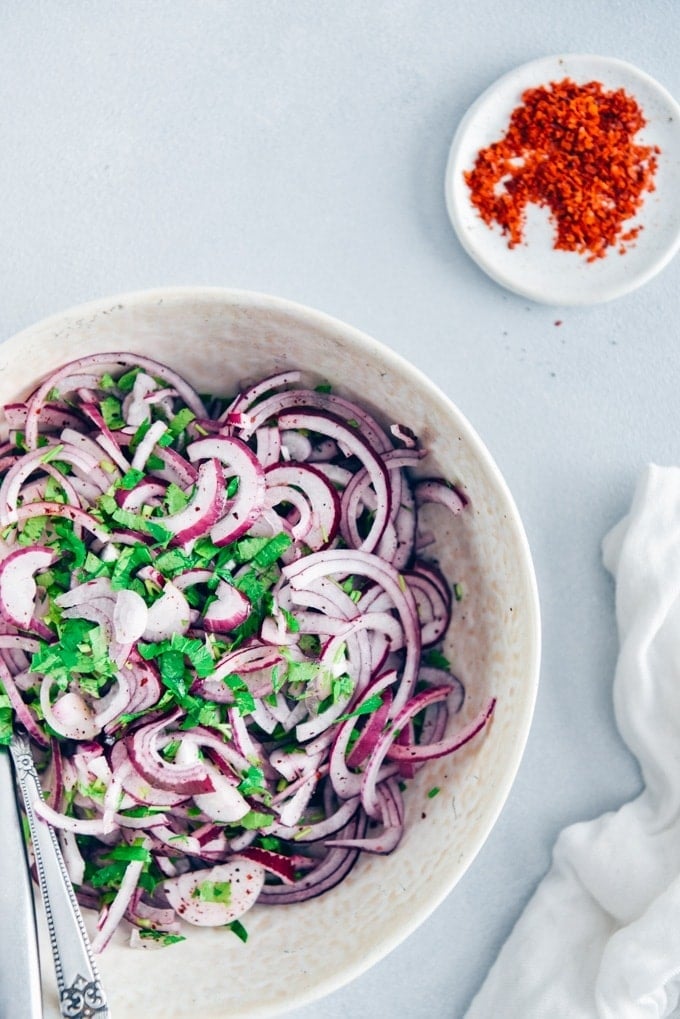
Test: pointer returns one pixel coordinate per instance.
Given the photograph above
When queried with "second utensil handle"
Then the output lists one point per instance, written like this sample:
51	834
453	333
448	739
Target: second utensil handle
20	995
81	995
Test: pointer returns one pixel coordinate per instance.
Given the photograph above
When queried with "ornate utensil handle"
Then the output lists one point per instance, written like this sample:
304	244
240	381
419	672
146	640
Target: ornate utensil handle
81	995
19	964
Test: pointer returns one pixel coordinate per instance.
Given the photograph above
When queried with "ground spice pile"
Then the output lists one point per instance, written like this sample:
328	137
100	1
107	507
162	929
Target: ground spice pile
571	148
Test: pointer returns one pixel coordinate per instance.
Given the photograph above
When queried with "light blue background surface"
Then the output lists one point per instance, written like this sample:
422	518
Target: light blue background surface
299	148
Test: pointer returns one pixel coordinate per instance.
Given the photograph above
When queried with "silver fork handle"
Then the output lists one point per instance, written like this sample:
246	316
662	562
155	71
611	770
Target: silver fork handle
81	995
20	995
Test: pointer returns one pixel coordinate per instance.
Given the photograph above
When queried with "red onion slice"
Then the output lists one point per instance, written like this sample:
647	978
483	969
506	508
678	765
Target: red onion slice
203	509
216	896
238	460
326	874
143	752
17	582
97	365
314	497
354	445
444	747
338	561
229	610
392	821
169	614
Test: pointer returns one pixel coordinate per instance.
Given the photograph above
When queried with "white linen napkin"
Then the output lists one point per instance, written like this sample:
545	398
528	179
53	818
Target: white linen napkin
600	938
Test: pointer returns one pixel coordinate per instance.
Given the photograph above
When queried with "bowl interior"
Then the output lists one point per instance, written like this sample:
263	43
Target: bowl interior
219	339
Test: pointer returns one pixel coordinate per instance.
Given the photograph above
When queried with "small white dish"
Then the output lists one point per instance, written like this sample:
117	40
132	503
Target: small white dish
534	268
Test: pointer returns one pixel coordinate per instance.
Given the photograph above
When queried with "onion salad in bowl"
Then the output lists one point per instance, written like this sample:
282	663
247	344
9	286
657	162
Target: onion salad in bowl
221	627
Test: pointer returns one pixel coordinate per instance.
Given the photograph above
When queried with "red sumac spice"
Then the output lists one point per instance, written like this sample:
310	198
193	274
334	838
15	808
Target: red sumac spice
570	148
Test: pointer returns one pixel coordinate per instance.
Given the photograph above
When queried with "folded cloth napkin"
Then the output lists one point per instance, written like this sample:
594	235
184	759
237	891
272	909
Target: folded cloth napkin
600	938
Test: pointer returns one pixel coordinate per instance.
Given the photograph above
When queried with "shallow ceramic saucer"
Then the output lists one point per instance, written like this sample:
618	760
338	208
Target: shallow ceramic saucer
534	268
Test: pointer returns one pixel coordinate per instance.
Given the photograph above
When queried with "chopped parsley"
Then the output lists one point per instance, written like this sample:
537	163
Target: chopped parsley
237	928
82	651
213	891
436	659
5	717
161	937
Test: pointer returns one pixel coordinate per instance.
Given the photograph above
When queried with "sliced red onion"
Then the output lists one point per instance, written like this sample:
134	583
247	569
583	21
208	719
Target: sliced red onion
87	458
444	747
17	582
238	460
84	594
392	820
346	563
291	811
149	492
434	490
370	734
144	685
227	755
281	866
316	500
23	713
20	643
404	435
136	407
343	621
116	910
345	410
434	609
203	509
15	480
254	662
114	703
97	610
443	677
229	610
263	717
130	617
295	446
153	916
143	752
333	822
73	858
346	783
147	445
169	614
191	577
137	785
354	445
78	825
70	716
387	745
170	839
327	873
195	896
58	509
96	365
255	391
52	419
176	468
225	803
268	448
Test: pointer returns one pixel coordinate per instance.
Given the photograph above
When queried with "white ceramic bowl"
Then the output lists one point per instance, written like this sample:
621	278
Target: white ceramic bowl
218	338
